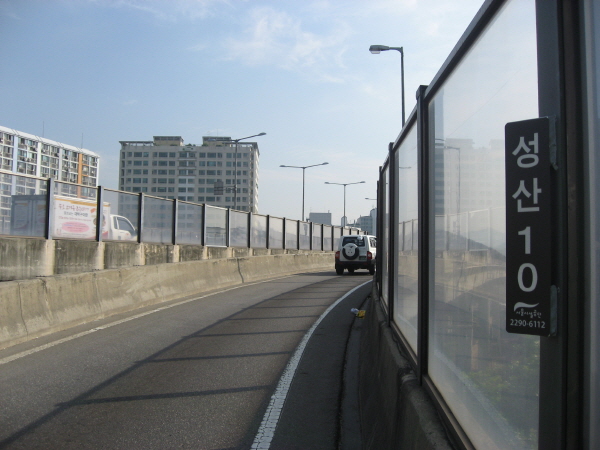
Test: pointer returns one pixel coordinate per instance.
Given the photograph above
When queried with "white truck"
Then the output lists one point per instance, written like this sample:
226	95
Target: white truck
73	218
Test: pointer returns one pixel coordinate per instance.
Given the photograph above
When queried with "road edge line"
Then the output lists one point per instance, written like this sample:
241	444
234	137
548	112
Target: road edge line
266	430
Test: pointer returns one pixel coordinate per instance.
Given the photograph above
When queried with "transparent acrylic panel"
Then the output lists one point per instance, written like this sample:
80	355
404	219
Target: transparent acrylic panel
407	243
327	240
158	220
385	217
189	223
259	231
479	230
316	237
406	294
275	232
455	227
415	233
238	229
498	230
76	213
489	378
22	205
441	233
123	217
337	234
216	227
304	236
291	234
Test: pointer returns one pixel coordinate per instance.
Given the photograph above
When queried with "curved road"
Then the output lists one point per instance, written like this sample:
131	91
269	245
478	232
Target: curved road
197	373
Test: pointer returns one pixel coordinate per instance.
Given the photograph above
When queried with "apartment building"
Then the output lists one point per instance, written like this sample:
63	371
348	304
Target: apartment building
218	172
26	154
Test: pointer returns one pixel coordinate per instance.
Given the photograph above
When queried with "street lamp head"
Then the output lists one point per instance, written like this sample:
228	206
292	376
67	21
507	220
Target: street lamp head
261	134
376	49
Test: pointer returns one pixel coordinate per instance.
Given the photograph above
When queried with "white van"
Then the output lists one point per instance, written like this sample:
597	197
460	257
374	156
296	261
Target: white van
356	252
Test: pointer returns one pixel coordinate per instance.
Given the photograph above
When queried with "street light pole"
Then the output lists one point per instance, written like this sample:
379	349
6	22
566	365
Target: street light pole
376	49
303	171
235	187
345	184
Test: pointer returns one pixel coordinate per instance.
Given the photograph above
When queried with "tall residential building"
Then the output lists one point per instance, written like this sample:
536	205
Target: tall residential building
27	154
209	173
33	155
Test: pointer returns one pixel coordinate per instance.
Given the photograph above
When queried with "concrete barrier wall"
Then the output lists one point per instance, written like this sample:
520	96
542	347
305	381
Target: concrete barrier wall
396	412
36	307
26	258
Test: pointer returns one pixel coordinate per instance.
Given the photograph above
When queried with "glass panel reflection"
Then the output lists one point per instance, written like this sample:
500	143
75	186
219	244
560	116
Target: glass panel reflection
158	220
238	229
216	226
291	234
316	240
275	232
489	377
304	236
258	238
385	214
406	294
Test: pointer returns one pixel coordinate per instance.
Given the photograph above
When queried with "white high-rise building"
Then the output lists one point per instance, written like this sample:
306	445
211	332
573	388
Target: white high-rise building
209	173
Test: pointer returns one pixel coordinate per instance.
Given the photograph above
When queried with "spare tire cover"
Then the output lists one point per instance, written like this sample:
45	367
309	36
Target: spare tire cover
350	251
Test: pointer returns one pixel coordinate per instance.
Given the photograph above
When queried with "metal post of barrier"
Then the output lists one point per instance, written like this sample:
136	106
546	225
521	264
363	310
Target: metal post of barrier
425	181
322	238
140	217
100	219
203	231
379	233
174	221
249	234
268	231
228	228
284	240
392	261
297	235
49	208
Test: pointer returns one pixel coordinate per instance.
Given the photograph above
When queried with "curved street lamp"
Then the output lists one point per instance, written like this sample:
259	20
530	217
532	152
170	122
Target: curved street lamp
303	170
376	49
235	186
345	184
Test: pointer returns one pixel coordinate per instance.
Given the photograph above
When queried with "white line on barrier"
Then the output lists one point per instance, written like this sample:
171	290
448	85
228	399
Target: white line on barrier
266	431
118	322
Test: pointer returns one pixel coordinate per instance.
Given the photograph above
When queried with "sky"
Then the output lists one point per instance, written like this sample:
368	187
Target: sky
92	73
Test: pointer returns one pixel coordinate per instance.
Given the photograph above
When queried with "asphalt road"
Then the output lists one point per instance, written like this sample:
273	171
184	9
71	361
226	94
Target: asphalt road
198	374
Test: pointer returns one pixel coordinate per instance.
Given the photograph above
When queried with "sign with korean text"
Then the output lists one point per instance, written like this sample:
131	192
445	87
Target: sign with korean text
528	227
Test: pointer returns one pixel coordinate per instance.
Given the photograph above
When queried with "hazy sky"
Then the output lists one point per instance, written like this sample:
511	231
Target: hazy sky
104	71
